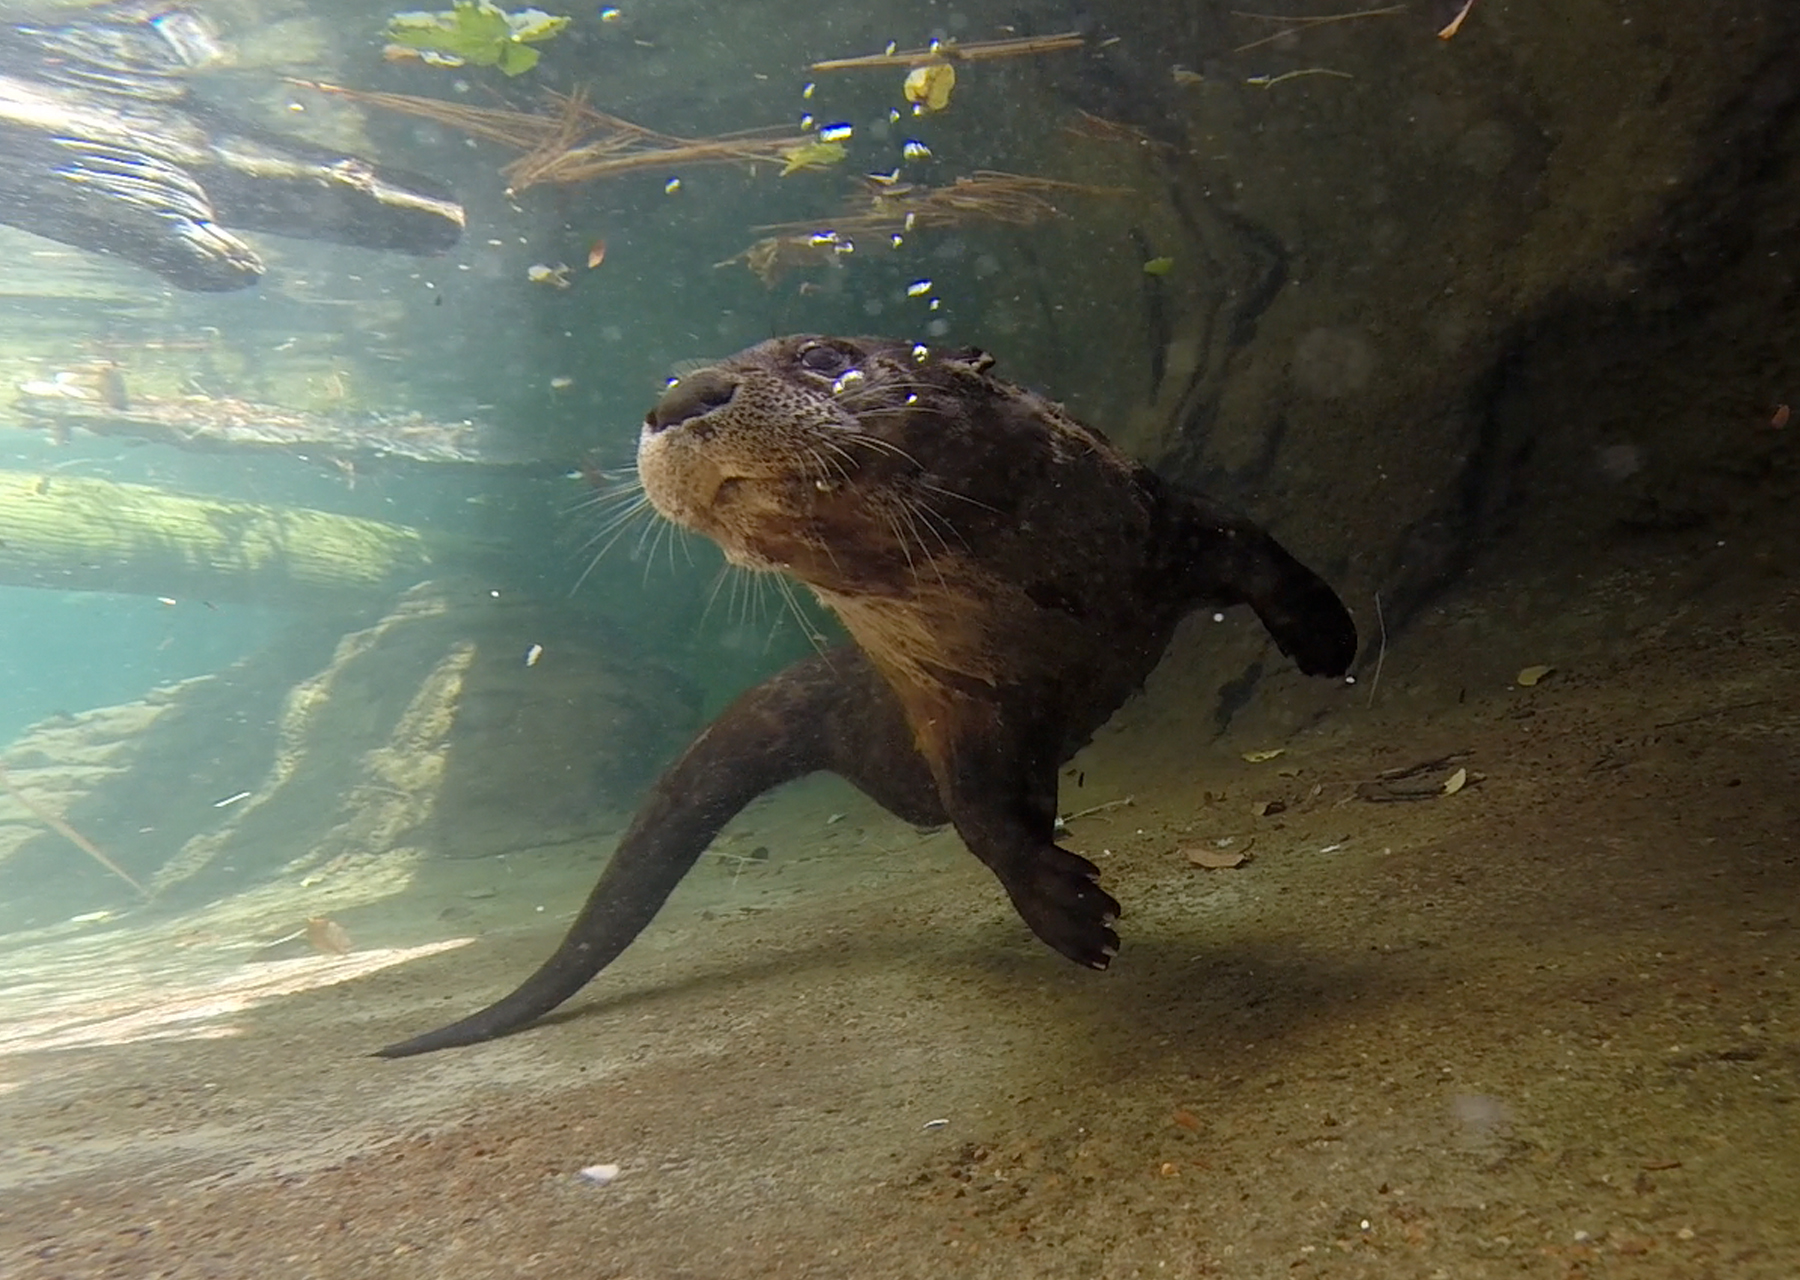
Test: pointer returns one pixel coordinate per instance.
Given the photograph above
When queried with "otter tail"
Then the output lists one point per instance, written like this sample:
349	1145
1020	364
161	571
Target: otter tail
770	735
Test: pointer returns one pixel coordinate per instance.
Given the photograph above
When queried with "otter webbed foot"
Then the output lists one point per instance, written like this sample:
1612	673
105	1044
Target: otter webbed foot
1058	895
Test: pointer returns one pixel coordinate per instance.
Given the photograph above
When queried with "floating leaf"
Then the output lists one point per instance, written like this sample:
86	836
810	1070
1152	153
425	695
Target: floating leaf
516	59
1159	266
1455	782
1531	675
929	86
477	33
811	155
1257	757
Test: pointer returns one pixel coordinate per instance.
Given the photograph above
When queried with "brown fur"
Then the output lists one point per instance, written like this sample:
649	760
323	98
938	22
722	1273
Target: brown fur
1009	579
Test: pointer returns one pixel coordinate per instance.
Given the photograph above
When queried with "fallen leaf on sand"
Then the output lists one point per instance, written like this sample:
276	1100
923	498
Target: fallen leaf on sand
1216	859
1257	757
1455	781
1531	675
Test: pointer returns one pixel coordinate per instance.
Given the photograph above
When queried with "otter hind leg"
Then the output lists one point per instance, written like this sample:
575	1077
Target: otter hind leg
1226	559
1304	615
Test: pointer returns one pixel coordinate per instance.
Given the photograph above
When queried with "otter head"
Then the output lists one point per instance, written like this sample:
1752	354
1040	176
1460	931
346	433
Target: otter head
827	458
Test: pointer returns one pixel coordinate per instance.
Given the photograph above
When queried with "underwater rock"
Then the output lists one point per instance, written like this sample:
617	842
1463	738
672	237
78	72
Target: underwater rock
423	731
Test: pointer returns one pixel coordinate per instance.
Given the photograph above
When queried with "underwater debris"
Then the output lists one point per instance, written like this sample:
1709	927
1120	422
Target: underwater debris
1393	785
931	73
1086	124
327	936
1294	26
772	257
556	277
574	142
1533	675
1219	856
1270	81
1454	25
928	87
599	1174
811	155
945	51
1092	809
67	832
888	207
475	33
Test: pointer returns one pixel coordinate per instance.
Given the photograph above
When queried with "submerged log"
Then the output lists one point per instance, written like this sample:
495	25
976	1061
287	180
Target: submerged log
207	424
67	533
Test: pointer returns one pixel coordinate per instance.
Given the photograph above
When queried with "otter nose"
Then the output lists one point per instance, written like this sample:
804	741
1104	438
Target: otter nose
698	393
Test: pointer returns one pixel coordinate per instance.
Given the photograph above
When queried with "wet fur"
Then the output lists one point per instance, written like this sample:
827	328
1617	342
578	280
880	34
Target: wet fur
1009	579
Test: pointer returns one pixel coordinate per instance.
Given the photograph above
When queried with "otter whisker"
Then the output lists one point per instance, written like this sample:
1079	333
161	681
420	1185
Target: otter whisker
960	497
848	460
617	520
900	537
609	488
879	445
911	514
838	459
828	469
811	632
623	527
720	578
630	506
663	527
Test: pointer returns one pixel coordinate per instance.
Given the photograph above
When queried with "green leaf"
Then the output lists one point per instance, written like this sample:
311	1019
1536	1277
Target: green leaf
533	25
479	33
516	59
811	155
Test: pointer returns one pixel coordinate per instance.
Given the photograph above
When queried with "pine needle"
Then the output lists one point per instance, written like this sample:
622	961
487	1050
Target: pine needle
67	832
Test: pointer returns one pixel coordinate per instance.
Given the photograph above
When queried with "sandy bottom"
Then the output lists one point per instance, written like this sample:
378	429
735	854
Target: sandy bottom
1544	1026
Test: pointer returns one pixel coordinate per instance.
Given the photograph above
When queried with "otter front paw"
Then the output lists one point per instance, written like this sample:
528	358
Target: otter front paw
1058	894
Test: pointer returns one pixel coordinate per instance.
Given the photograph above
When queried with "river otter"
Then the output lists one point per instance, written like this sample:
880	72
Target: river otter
1009	579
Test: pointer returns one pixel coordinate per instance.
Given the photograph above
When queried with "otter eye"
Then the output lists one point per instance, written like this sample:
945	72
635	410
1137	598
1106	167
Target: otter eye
822	359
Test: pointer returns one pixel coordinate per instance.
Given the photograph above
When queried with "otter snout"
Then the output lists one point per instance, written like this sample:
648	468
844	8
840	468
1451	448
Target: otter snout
692	397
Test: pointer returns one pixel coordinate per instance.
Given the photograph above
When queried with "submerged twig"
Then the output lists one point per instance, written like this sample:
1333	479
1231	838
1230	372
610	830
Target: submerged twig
1297	25
1269	82
952	51
67	832
1381	656
574	141
1092	809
